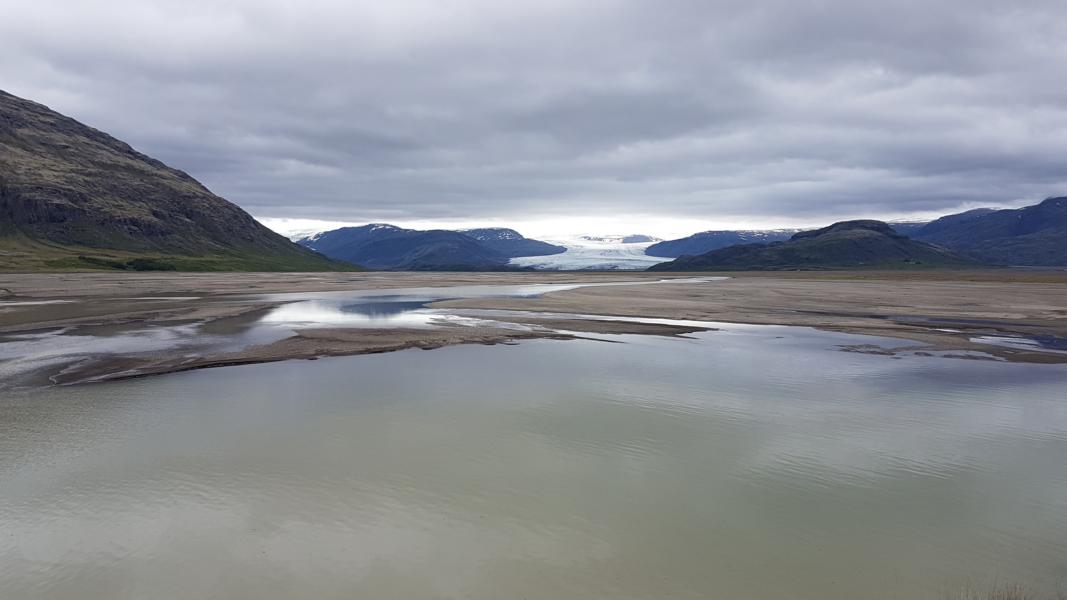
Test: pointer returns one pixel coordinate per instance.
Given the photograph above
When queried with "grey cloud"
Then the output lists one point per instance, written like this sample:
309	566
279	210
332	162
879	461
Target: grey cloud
784	109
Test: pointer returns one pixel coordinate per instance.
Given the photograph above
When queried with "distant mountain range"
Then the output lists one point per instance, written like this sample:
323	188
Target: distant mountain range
383	246
706	241
844	245
908	228
1030	236
72	197
75	197
509	243
1034	235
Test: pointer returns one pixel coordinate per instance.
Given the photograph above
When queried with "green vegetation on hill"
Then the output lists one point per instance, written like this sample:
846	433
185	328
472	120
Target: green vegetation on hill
18	253
69	191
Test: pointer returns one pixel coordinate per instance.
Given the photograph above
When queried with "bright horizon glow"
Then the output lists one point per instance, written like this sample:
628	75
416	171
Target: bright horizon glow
545	228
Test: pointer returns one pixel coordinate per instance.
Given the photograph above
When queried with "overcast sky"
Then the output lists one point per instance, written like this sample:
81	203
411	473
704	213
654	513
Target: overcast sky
665	117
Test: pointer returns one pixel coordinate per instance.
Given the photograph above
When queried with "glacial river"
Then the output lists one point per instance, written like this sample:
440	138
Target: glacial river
752	462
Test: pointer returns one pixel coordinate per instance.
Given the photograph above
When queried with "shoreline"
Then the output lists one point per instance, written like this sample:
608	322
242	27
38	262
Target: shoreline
941	312
313	344
988	315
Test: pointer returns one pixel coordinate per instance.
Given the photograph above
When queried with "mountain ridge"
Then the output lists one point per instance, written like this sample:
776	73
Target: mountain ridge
510	243
384	246
1033	235
845	244
72	196
706	241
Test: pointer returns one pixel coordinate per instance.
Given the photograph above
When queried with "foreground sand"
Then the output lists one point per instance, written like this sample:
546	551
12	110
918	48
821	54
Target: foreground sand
941	310
938	310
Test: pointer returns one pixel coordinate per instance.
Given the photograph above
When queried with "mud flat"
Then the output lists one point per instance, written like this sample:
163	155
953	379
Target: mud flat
1019	316
974	311
56	299
310	344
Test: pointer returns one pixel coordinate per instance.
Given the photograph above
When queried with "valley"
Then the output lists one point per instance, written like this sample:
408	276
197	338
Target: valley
476	300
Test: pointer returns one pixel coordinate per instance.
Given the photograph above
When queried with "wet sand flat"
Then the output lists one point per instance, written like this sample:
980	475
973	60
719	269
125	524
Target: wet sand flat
107	297
943	311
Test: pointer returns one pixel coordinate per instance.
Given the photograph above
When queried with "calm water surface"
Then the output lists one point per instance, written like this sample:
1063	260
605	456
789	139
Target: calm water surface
749	463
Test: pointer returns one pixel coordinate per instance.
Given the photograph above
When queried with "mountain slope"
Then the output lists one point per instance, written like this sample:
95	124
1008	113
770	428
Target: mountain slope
949	222
510	243
381	246
908	228
68	190
1034	235
848	244
706	241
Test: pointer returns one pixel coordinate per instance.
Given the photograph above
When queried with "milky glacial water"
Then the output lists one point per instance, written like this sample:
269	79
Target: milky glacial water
747	463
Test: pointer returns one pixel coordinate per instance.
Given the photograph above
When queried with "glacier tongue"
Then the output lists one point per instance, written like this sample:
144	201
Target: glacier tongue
589	252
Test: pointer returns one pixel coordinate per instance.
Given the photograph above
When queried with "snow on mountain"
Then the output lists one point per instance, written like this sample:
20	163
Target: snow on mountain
309	233
309	240
485	234
298	229
588	252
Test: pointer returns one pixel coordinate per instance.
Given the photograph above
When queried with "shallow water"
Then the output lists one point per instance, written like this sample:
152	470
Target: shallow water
752	462
30	358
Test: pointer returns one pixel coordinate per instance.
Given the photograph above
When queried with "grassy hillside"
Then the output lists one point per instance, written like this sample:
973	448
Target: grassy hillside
21	254
68	190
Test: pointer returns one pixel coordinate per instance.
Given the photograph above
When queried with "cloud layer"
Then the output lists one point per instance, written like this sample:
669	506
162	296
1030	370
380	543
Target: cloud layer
715	111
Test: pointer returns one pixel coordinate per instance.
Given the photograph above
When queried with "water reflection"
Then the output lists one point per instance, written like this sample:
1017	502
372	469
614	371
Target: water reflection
27	358
407	307
386	311
753	462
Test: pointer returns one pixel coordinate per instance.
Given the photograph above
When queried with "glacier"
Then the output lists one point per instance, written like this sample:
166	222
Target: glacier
594	253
